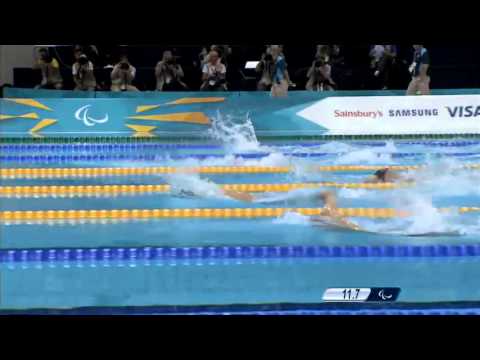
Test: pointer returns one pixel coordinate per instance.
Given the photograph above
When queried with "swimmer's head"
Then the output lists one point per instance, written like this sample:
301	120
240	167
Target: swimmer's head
381	174
328	198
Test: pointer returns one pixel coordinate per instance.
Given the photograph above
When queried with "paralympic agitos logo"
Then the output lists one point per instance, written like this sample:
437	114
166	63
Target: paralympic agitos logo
82	115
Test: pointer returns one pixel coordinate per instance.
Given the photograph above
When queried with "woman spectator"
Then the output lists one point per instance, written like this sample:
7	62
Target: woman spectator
214	74
51	76
265	67
279	78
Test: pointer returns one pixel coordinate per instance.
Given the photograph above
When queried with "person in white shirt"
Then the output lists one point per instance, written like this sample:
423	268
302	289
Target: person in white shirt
123	75
214	74
83	75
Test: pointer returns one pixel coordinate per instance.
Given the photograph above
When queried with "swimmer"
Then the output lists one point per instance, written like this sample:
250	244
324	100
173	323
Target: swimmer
386	176
237	195
331	214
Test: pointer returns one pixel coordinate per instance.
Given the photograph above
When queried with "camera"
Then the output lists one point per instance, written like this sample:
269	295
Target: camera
320	62
171	61
268	57
45	56
83	60
124	66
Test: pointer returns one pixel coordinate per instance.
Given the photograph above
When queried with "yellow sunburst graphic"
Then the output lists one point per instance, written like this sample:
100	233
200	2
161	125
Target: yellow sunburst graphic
182	101
35	104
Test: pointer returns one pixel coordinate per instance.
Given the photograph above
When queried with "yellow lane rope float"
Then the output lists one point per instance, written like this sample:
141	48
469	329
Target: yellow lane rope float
111	190
138	214
31	173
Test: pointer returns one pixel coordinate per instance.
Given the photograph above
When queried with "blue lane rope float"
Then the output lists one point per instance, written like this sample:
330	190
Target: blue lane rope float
119	147
263	309
156	157
12	256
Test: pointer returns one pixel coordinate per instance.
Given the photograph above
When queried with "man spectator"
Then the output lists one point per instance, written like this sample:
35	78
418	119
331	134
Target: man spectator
383	59
169	74
82	71
123	75
265	68
420	83
319	75
214	74
51	77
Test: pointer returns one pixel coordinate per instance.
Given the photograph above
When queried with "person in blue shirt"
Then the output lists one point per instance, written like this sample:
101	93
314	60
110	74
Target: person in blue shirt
420	84
279	77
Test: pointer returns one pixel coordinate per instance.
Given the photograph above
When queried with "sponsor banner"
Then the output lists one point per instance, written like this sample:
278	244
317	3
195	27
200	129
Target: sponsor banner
301	113
396	114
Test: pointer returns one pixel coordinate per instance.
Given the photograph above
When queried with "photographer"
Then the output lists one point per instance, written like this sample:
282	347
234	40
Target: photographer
265	67
382	61
51	77
169	74
214	74
83	75
319	75
123	75
419	69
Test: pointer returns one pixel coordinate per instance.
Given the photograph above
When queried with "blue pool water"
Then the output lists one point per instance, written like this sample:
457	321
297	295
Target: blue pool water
56	283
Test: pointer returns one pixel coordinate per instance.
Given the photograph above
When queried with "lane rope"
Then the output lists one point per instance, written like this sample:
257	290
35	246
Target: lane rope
174	255
31	173
223	213
119	147
184	137
62	159
111	190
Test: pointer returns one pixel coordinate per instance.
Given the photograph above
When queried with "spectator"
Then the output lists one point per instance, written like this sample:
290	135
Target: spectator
91	51
214	74
383	60
265	67
203	57
123	75
420	83
319	75
286	74
224	51
280	77
51	77
323	52
82	71
169	74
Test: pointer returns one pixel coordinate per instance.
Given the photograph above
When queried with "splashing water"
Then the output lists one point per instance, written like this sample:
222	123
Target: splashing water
236	136
293	218
192	184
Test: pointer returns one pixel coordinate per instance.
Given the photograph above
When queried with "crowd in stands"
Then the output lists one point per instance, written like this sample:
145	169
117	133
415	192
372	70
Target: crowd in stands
97	68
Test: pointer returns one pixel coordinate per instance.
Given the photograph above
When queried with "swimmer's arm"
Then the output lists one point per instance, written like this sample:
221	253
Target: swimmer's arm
371	179
242	196
340	221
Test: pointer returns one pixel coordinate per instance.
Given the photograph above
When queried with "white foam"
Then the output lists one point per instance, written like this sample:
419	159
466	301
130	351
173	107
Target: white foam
194	184
236	134
364	156
293	218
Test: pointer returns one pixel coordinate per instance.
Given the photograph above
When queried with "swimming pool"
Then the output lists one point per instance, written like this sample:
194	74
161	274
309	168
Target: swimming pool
54	256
